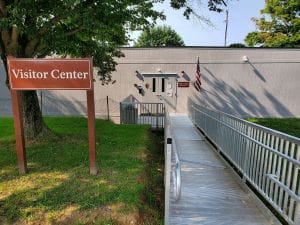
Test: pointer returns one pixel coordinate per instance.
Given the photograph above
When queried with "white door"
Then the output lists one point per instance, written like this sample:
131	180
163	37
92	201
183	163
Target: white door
161	88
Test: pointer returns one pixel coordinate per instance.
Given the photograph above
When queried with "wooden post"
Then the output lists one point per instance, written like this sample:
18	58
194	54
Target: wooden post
107	106
91	129
19	131
41	102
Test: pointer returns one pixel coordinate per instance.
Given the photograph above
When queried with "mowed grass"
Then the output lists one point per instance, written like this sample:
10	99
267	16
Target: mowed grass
290	126
59	189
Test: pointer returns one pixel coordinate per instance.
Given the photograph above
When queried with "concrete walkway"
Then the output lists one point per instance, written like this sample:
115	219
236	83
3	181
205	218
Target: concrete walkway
211	192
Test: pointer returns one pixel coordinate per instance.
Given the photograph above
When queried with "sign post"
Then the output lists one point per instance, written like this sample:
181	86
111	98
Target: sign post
19	131
53	74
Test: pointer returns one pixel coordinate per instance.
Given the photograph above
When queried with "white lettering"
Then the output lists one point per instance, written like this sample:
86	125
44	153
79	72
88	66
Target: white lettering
81	75
55	74
29	74
24	75
40	75
16	74
69	75
63	75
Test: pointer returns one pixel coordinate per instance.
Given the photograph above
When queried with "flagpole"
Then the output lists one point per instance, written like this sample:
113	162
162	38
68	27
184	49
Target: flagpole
226	28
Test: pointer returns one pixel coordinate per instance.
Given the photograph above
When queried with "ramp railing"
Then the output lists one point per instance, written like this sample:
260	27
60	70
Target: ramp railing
172	176
142	113
269	160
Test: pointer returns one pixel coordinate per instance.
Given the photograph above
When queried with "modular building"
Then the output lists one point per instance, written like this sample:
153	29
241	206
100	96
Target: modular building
256	82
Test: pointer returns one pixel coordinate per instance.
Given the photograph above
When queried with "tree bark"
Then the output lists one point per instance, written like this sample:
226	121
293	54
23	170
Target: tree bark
32	115
10	45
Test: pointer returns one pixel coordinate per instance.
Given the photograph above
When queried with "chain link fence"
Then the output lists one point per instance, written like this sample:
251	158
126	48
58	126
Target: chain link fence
5	107
51	105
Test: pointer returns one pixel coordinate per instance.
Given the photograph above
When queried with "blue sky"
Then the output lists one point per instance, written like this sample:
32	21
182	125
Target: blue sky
196	34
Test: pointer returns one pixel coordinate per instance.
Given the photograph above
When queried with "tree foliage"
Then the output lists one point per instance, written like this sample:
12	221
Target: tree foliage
279	25
77	28
190	8
159	36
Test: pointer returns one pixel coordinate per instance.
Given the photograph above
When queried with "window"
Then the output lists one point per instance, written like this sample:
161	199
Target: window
162	84
153	84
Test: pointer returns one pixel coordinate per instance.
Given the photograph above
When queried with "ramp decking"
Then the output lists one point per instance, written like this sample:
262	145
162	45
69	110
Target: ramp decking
211	194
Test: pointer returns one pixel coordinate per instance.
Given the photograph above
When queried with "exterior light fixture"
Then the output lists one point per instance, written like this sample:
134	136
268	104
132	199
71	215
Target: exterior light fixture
245	59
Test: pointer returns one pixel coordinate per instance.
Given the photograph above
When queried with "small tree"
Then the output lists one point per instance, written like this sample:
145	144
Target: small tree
159	36
279	25
77	28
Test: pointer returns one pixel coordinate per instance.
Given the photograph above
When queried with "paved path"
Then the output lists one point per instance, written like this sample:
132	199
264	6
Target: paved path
211	193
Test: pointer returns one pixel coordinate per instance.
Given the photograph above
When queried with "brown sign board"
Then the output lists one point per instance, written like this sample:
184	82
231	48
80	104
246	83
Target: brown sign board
183	84
35	74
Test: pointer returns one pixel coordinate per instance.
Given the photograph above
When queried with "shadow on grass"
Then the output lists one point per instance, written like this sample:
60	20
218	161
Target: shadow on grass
59	187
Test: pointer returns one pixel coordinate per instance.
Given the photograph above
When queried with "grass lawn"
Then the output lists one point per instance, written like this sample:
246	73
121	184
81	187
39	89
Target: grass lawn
58	188
290	126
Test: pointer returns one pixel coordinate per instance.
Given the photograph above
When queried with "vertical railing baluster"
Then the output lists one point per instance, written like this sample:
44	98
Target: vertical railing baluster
257	157
274	168
278	172
263	161
268	168
290	152
247	155
283	176
253	154
295	185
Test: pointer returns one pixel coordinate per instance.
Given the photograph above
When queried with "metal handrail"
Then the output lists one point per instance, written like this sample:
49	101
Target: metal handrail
294	161
254	125
269	160
171	170
274	178
177	178
142	113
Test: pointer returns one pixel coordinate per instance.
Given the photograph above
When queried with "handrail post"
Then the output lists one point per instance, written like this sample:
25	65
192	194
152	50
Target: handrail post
176	176
157	106
219	138
167	179
297	207
246	156
297	214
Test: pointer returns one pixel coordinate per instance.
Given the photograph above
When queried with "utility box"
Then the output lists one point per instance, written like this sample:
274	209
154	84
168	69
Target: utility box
128	113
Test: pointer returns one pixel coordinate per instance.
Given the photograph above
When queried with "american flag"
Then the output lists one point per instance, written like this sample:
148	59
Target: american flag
197	82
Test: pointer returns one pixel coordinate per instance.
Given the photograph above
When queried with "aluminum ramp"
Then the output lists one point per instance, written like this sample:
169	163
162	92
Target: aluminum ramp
211	193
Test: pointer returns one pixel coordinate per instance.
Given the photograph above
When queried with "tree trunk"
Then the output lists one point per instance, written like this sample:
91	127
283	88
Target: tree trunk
32	116
31	112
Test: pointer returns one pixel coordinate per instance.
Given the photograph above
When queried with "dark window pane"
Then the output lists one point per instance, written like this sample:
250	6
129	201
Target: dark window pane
153	84
162	84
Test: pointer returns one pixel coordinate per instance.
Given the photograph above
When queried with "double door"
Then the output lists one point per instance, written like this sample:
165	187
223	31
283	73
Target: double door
161	88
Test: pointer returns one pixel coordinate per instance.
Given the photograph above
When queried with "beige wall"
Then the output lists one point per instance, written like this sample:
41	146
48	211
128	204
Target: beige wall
267	85
5	104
